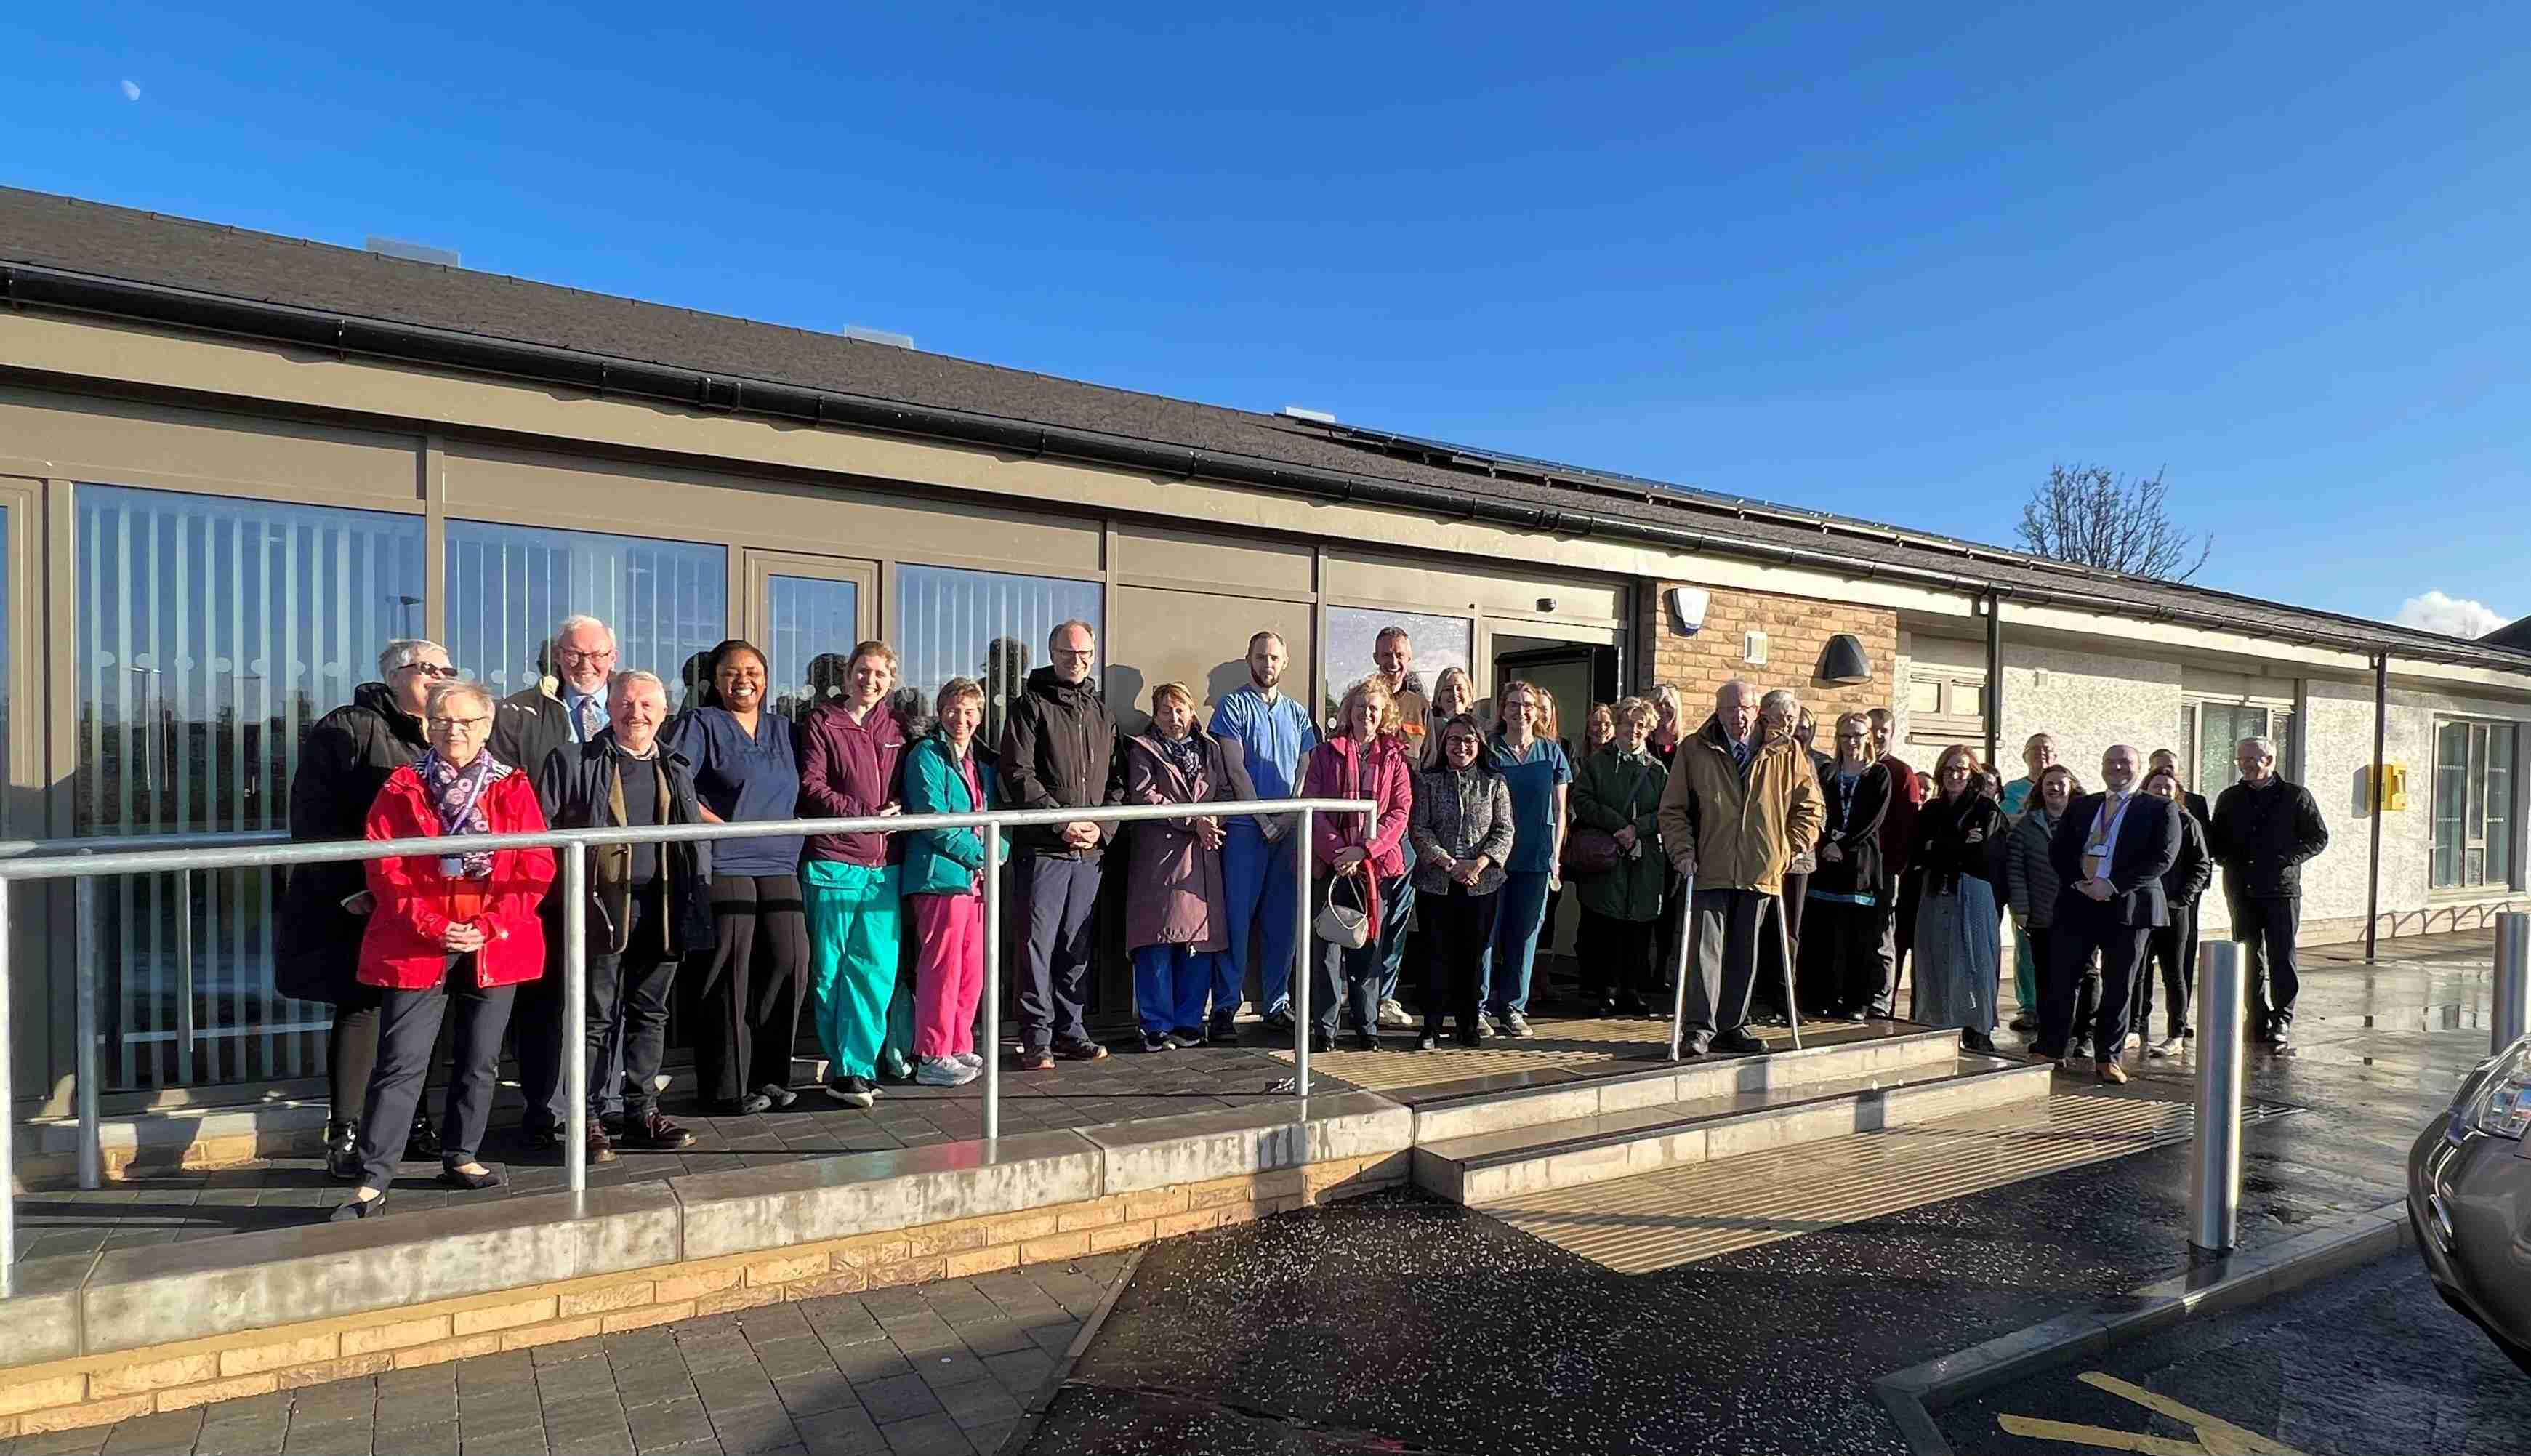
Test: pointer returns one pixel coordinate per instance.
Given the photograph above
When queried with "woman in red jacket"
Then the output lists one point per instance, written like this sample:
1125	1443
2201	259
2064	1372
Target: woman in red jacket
459	926
1359	763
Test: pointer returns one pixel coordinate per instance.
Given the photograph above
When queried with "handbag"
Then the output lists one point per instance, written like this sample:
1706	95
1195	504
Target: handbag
1345	926
1590	851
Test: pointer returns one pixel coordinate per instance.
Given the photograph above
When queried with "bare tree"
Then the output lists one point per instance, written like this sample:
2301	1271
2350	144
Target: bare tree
2088	515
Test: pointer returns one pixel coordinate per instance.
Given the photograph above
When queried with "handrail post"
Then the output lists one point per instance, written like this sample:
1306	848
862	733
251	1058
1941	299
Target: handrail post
91	1149
575	1015
993	1031
184	1028
8	1101
2214	1171
1304	948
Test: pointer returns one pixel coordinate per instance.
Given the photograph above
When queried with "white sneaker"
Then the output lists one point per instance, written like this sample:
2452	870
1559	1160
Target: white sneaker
943	1071
1394	1015
2166	1047
968	1059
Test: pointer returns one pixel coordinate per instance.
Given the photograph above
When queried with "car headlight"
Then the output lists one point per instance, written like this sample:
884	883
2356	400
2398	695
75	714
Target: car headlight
2497	1101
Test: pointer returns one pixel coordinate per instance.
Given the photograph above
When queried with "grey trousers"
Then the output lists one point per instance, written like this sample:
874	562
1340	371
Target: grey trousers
408	1034
1723	962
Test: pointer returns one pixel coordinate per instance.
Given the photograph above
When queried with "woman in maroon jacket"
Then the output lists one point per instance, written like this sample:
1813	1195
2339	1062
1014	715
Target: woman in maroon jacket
458	927
849	750
1357	763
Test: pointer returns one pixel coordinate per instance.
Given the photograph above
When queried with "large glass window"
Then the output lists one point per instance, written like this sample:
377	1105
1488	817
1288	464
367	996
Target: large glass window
507	586
2220	728
2473	805
810	624
1353	635
210	634
990	626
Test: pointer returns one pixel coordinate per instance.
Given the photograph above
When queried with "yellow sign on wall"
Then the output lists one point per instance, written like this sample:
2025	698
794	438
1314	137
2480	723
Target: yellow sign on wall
2394	787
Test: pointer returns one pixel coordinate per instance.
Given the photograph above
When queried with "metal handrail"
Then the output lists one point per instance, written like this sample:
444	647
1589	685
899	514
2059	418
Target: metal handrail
50	859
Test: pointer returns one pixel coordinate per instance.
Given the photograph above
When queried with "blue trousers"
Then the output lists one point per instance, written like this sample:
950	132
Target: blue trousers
1256	877
1171	982
1515	948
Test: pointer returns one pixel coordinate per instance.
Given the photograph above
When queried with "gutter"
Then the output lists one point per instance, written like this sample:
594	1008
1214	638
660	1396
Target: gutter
29	286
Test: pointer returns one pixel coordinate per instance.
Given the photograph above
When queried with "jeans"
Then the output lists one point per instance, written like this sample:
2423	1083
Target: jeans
1348	981
853	948
949	971
1396	923
628	1024
1458	932
1514	952
1060	897
1257	881
1170	984
408	1030
535	1033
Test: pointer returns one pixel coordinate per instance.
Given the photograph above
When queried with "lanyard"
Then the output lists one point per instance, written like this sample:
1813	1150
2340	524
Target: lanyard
2104	827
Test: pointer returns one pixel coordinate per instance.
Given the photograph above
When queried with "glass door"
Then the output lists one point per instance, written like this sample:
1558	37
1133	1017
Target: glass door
805	613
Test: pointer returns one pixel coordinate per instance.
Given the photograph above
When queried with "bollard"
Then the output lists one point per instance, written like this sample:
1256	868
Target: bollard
2215	1173
992	981
2511	1011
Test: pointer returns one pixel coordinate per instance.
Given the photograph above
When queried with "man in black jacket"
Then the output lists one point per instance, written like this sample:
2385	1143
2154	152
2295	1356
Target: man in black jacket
538	721
2111	852
1059	752
2264	829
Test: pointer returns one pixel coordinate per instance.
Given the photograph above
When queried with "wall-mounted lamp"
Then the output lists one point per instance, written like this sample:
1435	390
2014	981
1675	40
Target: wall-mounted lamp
1843	663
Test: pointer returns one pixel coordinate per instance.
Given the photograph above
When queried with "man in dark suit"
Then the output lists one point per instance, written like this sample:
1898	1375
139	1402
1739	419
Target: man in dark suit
2110	851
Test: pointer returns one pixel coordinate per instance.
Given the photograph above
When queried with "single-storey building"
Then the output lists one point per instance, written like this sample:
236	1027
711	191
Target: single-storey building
232	465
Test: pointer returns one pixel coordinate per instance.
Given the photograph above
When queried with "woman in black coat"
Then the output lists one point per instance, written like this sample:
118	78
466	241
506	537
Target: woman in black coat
1847	896
2167	947
349	753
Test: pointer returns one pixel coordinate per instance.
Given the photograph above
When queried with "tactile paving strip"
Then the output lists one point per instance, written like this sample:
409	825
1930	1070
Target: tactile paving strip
1679	1215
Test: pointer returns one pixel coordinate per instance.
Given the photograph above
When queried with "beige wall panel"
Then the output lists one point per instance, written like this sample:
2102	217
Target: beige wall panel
1196	639
1419	582
1953	653
1282	568
493	484
115	441
2216	683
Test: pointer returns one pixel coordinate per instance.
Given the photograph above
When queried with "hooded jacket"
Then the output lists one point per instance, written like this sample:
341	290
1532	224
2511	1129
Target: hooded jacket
1059	752
1743	829
346	759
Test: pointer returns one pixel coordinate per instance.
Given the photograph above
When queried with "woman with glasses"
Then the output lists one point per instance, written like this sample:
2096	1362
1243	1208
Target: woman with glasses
349	755
461	928
747	768
1540	777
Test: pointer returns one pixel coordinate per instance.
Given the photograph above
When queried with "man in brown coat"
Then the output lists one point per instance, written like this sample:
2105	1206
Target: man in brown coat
1738	811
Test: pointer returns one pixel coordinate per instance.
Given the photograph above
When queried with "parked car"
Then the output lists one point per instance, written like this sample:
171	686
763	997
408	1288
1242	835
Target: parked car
2469	1198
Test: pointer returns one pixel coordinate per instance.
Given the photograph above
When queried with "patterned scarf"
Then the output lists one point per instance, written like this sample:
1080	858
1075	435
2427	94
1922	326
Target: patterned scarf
457	794
1184	753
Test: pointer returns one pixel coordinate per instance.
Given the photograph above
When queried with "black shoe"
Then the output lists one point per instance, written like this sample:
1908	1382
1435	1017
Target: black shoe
342	1151
1691	1049
541	1141
2025	1021
655	1133
1632	1006
1738	1042
1188	1036
777	1094
425	1140
358	1208
1976	1042
745	1106
1603	1006
1279	1023
1364	1042
1857	1017
1081	1051
472	1182
1224	1027
1157	1041
1467	1036
612	1123
1322	1039
852	1091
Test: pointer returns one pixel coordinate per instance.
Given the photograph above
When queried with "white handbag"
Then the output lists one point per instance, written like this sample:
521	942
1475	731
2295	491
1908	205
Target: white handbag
1346	926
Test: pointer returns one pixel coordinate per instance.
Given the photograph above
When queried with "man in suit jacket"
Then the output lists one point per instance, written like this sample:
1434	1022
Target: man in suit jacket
2111	852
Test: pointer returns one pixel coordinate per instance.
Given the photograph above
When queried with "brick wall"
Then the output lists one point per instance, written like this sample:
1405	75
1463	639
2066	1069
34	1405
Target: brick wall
100	1390
1797	631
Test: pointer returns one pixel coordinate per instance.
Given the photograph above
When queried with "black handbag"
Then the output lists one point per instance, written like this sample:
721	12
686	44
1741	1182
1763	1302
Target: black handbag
1590	851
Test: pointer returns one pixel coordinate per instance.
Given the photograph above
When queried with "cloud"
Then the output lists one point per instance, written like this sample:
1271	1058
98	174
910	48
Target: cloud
132	90
2455	616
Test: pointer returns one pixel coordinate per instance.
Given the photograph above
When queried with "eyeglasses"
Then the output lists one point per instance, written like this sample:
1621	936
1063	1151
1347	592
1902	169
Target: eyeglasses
1082	654
575	654
435	671
442	724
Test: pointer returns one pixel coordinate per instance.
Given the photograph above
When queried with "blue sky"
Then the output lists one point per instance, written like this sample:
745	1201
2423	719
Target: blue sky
1886	261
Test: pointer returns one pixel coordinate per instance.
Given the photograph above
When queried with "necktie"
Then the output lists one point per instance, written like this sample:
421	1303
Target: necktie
1740	756
587	721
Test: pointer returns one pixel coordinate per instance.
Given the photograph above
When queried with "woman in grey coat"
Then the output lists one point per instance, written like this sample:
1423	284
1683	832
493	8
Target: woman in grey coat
1461	831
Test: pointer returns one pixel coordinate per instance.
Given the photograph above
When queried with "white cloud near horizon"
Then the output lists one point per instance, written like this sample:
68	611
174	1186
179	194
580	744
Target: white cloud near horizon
2453	616
132	90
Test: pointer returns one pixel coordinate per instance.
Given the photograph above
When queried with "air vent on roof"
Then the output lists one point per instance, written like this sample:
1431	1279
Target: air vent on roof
412	252
1315	417
877	336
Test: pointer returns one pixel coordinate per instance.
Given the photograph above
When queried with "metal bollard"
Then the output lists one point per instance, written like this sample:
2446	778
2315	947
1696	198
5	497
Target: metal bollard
2215	1173
1305	944
2511	1015
575	1015
993	979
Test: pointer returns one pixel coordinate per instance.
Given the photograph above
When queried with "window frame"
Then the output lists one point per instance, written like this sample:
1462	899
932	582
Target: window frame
2498	825
2278	728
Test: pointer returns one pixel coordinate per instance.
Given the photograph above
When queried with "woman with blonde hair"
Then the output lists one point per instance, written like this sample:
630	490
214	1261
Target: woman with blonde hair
1354	863
1541	778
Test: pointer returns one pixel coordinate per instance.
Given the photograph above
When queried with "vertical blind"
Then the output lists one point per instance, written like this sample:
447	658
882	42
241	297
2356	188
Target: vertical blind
508	586
211	633
811	624
990	626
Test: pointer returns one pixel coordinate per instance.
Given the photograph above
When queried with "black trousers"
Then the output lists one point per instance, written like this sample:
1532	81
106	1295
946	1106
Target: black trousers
1455	931
408	1032
749	1002
2267	925
1840	964
352	1051
1769	992
1898	937
2166	953
2076	936
1059	906
1673	930
535	1033
1617	957
628	1018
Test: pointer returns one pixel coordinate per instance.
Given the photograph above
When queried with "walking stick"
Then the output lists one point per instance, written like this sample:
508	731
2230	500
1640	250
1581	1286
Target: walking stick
1678	979
1784	943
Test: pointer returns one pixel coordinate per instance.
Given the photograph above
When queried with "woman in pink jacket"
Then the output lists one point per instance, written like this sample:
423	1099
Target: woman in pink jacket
1357	763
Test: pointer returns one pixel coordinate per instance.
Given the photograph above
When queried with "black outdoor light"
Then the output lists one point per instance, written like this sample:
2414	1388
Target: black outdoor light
1843	661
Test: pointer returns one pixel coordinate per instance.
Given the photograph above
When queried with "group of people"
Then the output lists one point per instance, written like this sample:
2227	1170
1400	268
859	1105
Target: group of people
1841	863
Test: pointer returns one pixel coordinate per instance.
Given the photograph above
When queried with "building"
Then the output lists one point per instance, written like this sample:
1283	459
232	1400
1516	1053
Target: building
231	465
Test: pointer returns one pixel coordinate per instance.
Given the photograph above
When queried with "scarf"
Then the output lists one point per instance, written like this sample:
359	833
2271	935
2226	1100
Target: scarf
1943	845
1183	752
456	795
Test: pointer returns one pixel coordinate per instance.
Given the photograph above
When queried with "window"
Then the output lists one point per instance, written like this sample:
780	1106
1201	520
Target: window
990	626
2473	805
2215	729
1946	707
211	634
666	601
810	624
1353	635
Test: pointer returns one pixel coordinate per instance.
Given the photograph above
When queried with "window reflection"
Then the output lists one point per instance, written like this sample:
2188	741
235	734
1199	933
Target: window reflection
507	586
990	626
1353	634
812	624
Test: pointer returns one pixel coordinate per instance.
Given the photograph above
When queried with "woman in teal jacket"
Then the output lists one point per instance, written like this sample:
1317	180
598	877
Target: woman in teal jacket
944	888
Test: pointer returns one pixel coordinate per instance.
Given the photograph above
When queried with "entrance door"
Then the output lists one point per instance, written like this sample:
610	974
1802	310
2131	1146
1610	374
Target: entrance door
807	613
1577	667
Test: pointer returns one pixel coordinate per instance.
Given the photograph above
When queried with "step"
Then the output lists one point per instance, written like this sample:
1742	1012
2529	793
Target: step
1497	1109
1493	1166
